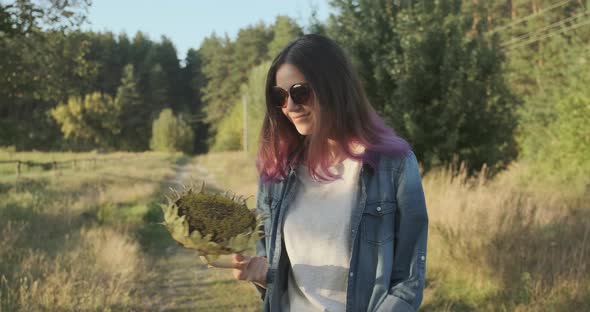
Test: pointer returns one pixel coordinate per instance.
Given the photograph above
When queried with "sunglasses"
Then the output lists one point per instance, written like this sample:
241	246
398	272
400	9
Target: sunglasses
299	93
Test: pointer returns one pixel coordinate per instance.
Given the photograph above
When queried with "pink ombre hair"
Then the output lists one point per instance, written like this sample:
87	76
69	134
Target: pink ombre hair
342	114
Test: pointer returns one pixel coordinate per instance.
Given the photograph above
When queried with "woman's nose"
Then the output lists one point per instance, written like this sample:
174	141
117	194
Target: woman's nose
292	106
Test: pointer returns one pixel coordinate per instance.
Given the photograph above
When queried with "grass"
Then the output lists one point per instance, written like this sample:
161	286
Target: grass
494	245
89	240
497	246
69	239
233	171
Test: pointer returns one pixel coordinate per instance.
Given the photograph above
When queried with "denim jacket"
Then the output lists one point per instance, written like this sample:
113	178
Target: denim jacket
389	230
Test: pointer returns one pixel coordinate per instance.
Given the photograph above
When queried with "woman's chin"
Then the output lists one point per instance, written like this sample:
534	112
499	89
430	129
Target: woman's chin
304	130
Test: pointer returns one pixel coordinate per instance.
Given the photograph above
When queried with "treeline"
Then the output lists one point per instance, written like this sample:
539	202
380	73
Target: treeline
482	81
67	89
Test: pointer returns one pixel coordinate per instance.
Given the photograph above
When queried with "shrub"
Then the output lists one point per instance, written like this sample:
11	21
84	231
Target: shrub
171	134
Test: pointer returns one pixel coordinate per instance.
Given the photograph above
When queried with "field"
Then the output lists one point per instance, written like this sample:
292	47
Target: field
86	238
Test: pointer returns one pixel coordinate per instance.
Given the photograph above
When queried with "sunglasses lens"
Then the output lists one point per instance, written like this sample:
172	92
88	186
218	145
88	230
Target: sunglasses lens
278	96
300	93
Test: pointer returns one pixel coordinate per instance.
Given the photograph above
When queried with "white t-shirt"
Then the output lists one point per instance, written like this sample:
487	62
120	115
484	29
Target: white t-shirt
317	240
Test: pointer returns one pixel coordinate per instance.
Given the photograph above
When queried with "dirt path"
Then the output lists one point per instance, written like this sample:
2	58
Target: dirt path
183	282
179	270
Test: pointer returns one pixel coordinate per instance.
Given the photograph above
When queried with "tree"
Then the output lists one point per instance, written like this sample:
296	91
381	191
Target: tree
156	96
250	49
285	29
553	136
92	119
192	83
218	91
164	56
104	52
254	91
439	83
230	135
226	65
171	134
24	17
37	61
134	118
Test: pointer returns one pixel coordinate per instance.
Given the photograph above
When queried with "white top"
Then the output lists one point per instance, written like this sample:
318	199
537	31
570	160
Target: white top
317	240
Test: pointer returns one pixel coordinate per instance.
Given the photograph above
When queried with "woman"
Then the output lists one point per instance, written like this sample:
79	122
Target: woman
346	224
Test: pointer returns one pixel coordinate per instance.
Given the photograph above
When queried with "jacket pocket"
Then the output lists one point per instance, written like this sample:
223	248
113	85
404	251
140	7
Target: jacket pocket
378	222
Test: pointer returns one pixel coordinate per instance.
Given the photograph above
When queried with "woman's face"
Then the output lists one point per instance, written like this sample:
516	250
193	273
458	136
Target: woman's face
301	115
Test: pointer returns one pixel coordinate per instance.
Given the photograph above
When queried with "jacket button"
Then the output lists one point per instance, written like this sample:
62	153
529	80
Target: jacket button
378	208
351	274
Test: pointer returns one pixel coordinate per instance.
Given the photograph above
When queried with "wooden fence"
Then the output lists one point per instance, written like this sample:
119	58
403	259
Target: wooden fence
21	165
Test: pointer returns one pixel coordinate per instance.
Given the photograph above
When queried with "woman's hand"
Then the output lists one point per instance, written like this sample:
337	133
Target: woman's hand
253	269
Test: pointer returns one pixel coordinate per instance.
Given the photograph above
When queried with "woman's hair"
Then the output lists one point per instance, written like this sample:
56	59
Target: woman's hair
342	114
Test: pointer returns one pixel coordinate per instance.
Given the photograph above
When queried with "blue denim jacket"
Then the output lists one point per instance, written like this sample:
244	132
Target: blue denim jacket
389	229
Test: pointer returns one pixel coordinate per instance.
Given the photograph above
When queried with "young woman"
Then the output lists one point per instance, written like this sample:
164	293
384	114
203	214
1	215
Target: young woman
346	225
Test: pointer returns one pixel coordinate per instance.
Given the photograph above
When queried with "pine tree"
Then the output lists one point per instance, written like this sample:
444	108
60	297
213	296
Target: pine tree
434	76
285	29
135	121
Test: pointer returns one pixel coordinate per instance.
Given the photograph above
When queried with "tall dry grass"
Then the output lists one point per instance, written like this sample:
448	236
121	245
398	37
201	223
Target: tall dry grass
70	241
494	244
499	246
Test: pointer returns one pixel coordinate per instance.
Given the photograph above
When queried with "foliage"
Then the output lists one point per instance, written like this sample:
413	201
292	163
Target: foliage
36	62
220	84
230	132
448	75
171	133
134	118
254	91
94	118
226	65
193	82
433	76
285	29
551	81
557	144
42	68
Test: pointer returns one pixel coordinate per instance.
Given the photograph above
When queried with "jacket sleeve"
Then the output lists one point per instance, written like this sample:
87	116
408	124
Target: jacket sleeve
411	233
261	209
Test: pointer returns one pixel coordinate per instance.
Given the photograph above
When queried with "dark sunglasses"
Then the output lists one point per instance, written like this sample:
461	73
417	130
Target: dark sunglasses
299	92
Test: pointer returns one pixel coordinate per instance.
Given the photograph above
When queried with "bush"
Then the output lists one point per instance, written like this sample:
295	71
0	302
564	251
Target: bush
555	140
171	134
229	136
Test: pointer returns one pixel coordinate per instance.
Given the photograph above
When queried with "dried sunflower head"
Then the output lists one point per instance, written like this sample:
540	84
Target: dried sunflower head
212	223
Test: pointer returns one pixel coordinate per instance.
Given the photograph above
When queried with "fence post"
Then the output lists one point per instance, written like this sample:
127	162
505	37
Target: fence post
18	169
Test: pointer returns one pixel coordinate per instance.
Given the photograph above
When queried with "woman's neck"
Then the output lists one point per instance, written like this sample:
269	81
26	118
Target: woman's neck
336	153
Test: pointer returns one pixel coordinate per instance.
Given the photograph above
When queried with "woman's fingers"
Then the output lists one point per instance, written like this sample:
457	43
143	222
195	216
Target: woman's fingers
239	257
250	268
240	262
241	265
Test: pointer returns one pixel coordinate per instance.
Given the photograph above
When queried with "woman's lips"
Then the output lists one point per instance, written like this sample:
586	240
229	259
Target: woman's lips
301	116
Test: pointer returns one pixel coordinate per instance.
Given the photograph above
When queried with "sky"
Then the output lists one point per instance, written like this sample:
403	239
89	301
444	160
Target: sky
188	22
